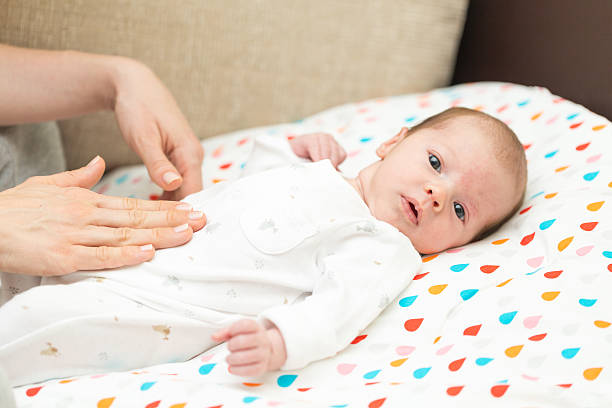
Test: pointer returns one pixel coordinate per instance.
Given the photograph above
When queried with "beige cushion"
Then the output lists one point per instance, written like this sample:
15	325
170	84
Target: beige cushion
243	63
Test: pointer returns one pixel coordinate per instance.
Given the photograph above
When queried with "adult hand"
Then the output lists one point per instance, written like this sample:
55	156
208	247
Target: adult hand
154	127
55	225
318	146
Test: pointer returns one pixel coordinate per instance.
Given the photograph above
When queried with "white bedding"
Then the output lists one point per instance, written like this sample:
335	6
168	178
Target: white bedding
522	318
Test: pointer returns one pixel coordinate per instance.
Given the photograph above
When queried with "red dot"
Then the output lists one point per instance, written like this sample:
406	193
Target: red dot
499	390
420	276
537	337
376	403
452	391
524	210
488	268
553	274
359	338
610	267
583	146
154	404
153	197
225	166
413	324
456	365
588	226
575	125
527	239
472	330
33	391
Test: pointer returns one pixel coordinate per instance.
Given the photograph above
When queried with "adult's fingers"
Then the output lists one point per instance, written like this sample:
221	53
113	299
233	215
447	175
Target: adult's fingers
188	160
162	172
129	203
104	257
158	237
146	219
85	177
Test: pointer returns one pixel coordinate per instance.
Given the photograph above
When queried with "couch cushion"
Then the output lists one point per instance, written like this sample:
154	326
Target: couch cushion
246	63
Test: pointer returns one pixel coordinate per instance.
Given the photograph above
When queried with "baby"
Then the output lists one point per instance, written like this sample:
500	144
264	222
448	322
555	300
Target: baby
293	263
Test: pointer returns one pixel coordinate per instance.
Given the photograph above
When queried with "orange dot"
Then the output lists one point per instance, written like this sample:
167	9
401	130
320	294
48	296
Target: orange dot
397	363
551	195
598	127
564	243
550	296
559	169
597	205
592	373
249	384
500	241
602	324
429	258
437	289
504	283
537	115
106	402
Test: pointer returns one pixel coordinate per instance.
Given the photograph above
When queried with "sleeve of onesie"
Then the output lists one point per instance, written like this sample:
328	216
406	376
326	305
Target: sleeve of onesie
269	152
365	267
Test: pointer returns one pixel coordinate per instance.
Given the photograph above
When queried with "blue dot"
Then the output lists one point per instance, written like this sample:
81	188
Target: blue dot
607	254
407	301
421	372
502	381
147	385
547	224
242	165
587	302
572	116
338	406
371	374
458	267
121	179
206	368
523	103
410	119
286	380
536	194
570	352
590	176
248	400
506	318
531	273
365	139
468	293
551	154
482	361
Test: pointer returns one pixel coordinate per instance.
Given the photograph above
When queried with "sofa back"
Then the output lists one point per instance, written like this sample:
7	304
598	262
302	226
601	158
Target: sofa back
234	64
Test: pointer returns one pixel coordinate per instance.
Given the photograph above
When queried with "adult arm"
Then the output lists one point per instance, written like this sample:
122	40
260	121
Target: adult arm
40	85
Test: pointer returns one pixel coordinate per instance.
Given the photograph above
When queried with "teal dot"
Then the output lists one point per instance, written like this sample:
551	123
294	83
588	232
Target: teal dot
506	318
371	374
338	406
572	116
147	385
547	224
121	179
570	352
365	139
286	380
410	119
587	302
502	382
590	176
536	194
458	267
248	400
206	368
532	272
407	301
242	165
607	254
523	103
421	372
551	154
482	361
468	293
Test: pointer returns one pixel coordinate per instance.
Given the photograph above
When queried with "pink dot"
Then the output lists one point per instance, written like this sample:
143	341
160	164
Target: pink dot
404	350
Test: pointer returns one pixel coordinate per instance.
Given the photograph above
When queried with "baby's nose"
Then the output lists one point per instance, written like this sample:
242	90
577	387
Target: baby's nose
437	194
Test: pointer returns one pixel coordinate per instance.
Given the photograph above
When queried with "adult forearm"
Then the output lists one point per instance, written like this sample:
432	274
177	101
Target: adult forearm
40	85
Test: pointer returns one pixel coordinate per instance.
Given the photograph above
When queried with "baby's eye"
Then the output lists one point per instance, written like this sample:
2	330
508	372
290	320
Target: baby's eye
459	211
435	162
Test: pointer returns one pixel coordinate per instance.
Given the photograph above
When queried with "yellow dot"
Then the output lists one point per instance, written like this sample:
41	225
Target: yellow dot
564	243
504	283
592	373
513	351
499	241
549	296
551	195
106	402
429	258
437	289
596	206
399	362
602	324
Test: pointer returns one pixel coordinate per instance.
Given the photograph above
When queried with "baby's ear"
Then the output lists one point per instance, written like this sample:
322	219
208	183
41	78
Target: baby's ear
383	150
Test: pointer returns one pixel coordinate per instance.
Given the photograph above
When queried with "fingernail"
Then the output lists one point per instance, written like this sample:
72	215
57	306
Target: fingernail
93	161
169	177
184	207
148	247
181	228
195	215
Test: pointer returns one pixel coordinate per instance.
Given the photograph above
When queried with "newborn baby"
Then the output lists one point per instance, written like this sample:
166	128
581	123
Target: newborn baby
295	259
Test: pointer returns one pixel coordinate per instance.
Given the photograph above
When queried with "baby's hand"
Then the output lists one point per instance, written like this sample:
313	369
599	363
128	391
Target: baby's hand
253	348
318	146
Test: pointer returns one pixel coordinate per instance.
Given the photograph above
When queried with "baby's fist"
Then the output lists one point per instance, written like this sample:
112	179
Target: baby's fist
253	348
318	146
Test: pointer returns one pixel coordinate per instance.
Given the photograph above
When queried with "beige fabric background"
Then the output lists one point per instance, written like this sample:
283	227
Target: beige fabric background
233	64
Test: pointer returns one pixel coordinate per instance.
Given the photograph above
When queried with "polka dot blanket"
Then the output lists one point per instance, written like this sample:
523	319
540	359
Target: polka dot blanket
520	319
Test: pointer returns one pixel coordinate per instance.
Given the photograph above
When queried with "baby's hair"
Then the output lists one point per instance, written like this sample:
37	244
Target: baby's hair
508	150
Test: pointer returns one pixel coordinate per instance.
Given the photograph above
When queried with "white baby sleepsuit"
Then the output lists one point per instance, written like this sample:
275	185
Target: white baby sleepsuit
294	245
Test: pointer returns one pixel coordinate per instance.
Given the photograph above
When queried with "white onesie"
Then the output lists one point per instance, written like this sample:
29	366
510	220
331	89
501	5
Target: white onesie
295	245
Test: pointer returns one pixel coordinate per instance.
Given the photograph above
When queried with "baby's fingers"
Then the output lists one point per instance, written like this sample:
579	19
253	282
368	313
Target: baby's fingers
250	356
105	257
250	370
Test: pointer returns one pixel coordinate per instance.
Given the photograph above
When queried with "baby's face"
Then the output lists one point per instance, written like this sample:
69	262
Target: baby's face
439	187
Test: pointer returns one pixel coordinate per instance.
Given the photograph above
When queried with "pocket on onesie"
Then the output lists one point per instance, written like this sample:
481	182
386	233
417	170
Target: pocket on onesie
277	227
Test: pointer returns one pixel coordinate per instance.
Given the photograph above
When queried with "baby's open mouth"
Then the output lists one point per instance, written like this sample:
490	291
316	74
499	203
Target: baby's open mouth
414	210
411	210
